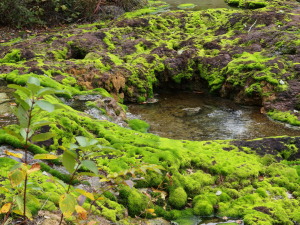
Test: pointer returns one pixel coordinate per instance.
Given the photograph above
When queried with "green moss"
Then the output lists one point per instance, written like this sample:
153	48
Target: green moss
13	56
139	125
262	192
178	198
144	11
286	117
249	4
108	41
186	6
135	201
196	181
203	208
116	60
60	54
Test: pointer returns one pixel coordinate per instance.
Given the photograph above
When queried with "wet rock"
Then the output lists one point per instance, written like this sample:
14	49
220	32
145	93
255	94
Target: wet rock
192	111
110	12
4	104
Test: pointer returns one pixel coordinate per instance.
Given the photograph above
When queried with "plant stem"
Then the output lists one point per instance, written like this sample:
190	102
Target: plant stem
68	190
26	161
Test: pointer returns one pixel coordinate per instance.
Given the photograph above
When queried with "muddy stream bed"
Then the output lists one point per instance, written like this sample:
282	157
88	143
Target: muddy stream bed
192	116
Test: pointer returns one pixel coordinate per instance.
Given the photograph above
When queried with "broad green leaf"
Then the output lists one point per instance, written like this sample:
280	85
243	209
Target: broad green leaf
60	182
33	88
17	166
22	116
21	101
73	146
5	208
43	136
34	80
47	106
24	90
17	176
93	142
72	152
45	156
20	203
24	134
86	194
68	162
90	165
13	133
45	91
29	102
41	123
82	141
67	204
4	189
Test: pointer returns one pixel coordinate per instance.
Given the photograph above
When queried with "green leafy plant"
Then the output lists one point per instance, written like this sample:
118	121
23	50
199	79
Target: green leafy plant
30	101
76	159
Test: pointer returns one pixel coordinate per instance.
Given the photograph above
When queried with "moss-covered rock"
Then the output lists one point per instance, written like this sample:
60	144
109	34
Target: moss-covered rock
178	198
138	125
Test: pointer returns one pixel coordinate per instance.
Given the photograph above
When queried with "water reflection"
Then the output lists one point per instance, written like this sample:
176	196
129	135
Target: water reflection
200	4
204	117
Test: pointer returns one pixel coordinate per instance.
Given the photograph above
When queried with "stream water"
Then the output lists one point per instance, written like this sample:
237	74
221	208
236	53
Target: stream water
199	4
191	116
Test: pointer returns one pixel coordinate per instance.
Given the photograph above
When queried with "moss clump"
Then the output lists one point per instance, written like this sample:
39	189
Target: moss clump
196	181
135	201
203	208
287	117
248	4
178	198
139	125
186	6
12	57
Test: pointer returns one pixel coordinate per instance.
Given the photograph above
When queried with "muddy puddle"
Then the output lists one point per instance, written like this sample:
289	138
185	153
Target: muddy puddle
192	116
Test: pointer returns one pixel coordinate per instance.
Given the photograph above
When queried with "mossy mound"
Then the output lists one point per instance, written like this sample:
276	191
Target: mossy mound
248	4
222	177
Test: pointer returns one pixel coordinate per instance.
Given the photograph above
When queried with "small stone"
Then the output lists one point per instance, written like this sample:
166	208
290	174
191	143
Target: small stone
225	218
281	82
218	192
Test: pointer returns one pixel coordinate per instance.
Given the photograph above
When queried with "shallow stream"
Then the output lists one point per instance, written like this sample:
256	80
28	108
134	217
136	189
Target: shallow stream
199	4
192	116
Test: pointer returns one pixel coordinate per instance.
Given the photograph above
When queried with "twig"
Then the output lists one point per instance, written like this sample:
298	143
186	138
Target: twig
252	26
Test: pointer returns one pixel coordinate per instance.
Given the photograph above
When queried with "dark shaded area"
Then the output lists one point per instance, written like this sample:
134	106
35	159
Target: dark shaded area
287	147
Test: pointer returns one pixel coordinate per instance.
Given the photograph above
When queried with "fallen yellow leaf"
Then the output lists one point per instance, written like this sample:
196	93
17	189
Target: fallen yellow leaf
82	213
17	155
5	208
150	211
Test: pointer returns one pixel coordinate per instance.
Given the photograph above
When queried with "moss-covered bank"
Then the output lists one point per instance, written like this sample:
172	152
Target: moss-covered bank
249	56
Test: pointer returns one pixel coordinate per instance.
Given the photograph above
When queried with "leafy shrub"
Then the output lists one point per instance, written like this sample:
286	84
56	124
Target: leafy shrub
25	13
